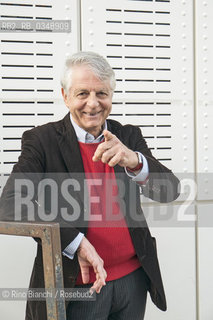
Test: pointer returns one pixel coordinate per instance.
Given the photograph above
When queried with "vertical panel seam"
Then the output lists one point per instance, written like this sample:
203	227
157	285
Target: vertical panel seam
195	155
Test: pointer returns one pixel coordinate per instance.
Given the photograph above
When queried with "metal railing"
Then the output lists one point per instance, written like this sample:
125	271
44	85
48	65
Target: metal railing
49	233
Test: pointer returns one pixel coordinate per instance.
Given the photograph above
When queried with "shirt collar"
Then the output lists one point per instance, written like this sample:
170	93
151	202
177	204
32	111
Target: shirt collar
84	136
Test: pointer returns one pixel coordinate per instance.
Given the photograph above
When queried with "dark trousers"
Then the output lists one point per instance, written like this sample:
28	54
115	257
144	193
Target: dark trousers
121	299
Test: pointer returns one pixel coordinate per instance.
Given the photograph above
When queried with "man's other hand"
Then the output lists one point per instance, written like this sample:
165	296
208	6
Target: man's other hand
88	257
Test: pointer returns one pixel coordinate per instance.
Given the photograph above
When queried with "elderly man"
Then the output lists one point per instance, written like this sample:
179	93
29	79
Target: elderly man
117	261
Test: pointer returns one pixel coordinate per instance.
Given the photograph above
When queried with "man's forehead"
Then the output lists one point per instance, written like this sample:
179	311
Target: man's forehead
90	84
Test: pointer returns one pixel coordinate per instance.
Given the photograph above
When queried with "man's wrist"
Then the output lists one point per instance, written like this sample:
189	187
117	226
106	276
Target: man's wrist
139	166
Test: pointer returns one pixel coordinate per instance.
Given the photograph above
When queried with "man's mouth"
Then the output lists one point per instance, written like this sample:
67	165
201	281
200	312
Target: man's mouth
91	114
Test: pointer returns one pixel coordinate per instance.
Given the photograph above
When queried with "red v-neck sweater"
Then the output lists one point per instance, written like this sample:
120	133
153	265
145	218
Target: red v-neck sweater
111	239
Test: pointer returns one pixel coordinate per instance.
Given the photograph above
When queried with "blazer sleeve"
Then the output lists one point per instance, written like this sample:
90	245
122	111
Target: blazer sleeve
30	169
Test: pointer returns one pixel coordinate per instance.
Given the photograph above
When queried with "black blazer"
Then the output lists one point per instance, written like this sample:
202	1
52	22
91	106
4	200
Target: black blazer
52	149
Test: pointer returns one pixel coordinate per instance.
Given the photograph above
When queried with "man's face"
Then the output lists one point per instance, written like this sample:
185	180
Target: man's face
89	99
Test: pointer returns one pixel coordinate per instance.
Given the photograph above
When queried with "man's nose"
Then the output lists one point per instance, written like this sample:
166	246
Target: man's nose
92	100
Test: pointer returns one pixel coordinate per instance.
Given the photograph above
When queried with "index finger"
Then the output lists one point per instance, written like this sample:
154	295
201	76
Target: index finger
104	146
107	135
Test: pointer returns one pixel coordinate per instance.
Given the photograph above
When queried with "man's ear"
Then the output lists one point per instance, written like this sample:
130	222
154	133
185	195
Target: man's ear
64	96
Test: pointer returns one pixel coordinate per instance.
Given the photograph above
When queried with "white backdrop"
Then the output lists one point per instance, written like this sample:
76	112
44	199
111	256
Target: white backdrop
160	51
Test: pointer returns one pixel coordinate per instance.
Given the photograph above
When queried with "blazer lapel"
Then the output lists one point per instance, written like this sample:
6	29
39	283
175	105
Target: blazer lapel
68	144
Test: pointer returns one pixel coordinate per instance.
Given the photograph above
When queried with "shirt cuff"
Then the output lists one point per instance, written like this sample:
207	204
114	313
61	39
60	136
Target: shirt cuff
144	172
71	249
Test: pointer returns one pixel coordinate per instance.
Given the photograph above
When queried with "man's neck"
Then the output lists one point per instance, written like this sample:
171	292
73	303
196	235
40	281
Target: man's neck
84	136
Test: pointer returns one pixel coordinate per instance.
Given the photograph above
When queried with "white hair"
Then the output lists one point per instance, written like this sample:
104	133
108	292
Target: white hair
96	62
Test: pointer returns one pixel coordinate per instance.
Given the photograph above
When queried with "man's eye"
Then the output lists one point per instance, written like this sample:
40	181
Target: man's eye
81	94
102	93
